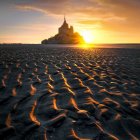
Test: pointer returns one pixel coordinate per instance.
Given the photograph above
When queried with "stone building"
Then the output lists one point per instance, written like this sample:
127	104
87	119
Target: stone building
66	35
64	29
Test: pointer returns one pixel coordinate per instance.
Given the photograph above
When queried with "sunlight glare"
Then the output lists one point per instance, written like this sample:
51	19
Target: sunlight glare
86	46
88	36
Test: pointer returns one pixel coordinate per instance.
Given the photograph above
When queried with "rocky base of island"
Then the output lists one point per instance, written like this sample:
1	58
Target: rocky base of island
76	38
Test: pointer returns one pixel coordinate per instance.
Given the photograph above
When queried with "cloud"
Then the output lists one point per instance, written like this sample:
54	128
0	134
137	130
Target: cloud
84	6
32	8
95	8
109	14
69	7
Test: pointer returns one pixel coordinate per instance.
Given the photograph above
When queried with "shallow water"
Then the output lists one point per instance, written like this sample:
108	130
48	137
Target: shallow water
58	93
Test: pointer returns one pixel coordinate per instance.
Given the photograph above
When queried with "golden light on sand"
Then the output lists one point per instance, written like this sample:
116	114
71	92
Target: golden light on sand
88	36
86	46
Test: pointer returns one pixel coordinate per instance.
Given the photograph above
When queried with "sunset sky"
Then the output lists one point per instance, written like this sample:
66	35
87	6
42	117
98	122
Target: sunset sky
106	21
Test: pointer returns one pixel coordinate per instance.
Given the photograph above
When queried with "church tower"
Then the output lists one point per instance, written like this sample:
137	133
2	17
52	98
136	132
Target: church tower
64	28
71	30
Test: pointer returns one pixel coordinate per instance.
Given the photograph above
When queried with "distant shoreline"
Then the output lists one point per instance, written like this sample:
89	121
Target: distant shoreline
70	44
100	46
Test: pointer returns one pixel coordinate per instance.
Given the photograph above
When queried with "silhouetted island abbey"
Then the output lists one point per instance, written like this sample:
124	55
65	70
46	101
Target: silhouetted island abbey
66	35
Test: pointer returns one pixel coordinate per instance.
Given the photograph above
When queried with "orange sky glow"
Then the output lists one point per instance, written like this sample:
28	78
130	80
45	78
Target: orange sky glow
98	21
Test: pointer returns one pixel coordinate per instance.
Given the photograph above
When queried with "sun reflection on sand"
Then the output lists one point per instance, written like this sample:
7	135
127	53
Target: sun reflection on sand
86	46
33	90
32	114
54	104
8	120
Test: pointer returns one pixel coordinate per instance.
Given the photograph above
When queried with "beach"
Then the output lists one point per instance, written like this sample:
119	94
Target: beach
68	93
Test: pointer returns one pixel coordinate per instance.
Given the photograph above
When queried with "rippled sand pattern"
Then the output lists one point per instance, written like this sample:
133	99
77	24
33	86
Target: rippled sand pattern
69	93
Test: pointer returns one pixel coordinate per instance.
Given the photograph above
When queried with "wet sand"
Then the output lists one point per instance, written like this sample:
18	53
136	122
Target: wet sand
69	93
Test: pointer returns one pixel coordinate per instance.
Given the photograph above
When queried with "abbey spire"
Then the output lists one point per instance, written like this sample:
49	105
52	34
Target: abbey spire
64	19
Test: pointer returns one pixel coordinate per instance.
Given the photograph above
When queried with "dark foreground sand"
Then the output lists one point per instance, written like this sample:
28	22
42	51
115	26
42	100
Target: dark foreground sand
69	94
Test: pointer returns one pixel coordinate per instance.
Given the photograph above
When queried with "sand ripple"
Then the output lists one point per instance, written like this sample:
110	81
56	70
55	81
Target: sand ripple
69	93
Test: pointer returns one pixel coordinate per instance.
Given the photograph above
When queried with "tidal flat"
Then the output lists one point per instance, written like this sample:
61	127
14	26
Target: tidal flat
68	93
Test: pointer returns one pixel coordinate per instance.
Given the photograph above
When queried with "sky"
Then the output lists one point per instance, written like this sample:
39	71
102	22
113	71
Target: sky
101	21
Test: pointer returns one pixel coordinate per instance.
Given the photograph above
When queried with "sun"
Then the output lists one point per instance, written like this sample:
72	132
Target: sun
88	36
